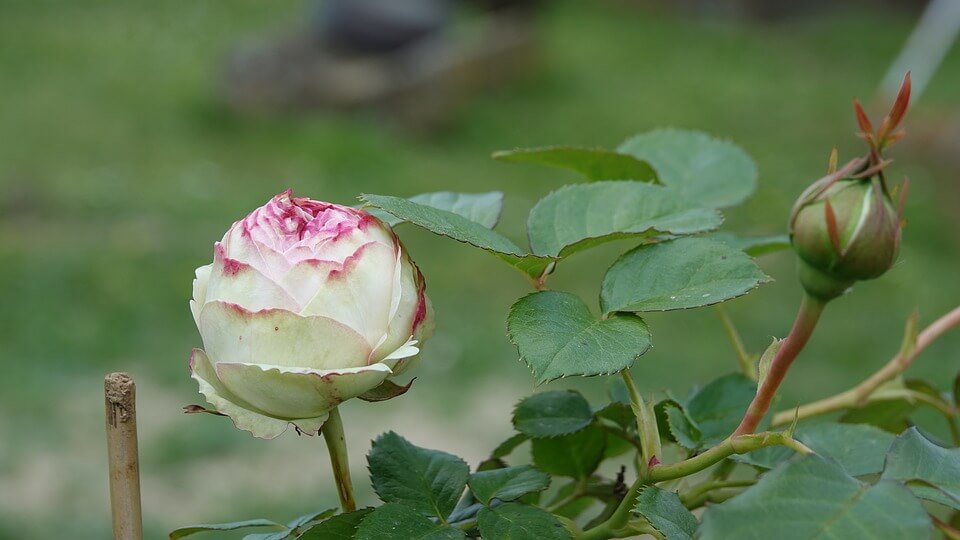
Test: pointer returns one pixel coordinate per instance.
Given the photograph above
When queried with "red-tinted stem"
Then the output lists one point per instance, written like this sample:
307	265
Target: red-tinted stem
807	317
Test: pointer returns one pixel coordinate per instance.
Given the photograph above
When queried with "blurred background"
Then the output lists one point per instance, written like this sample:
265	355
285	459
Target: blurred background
132	134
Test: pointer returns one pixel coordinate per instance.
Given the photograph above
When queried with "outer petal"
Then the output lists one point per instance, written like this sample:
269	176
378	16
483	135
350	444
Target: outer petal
239	283
422	332
279	337
409	313
358	294
224	401
199	291
295	392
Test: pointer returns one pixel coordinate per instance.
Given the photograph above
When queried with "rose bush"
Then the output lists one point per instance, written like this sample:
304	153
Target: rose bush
306	304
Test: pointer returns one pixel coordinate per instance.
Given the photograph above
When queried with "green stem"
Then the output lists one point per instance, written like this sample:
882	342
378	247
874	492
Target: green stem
337	447
646	423
740	444
806	321
699	494
746	362
616	525
578	491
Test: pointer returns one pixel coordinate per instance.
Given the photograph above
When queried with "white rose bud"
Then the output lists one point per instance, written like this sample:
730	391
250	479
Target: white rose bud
307	304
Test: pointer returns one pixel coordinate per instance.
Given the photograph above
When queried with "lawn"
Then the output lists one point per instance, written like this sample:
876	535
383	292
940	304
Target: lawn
119	168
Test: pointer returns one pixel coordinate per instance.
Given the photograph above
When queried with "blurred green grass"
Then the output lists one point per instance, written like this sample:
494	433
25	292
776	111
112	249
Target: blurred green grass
119	168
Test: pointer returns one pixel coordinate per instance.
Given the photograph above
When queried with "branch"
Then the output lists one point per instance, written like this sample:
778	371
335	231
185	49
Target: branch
859	394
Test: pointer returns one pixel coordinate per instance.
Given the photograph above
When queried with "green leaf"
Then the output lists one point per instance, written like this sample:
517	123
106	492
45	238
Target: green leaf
194	529
811	497
617	391
507	484
549	414
754	246
680	427
395	521
461	229
620	414
678	274
592	163
717	408
858	448
339	527
931	471
506	447
890	414
706	170
580	216
557	336
295	527
513	521
430	481
666	513
483	208
576	455
313	516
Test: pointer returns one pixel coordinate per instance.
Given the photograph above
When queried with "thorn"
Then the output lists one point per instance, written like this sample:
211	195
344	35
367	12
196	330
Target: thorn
902	203
832	163
832	230
793	425
653	462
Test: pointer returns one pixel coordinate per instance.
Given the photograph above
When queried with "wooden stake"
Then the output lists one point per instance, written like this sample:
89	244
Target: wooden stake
120	398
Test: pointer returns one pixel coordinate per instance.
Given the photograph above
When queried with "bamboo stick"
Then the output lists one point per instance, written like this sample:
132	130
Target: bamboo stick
120	398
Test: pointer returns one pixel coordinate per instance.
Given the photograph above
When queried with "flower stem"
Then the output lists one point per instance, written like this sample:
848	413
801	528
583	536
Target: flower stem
861	393
337	446
806	321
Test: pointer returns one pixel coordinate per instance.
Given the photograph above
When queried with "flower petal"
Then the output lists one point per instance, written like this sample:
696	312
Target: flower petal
407	295
279	337
199	291
358	294
239	283
260	425
296	393
242	247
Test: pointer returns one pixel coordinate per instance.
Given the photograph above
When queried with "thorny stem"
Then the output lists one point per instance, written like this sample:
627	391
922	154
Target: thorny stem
861	393
806	321
337	447
746	362
615	526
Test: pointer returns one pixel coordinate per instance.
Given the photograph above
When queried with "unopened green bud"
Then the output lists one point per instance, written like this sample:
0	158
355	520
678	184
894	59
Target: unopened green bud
844	231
